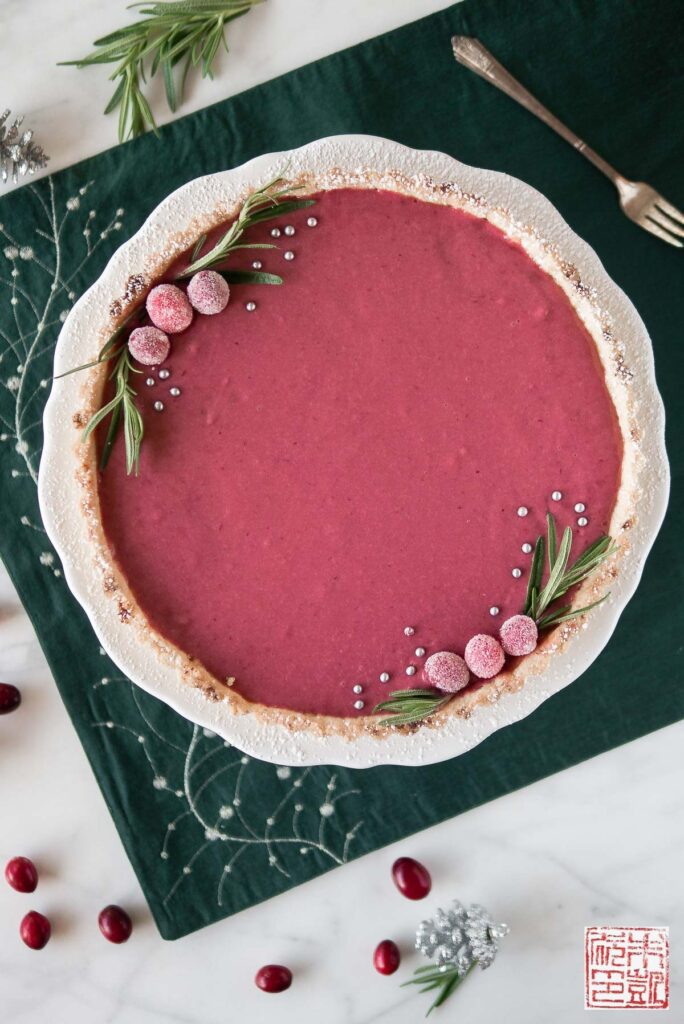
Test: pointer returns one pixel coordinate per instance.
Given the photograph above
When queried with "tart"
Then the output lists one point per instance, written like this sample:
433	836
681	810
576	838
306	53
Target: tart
346	474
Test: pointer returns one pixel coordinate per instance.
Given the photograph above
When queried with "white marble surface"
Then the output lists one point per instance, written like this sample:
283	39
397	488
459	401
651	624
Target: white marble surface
598	843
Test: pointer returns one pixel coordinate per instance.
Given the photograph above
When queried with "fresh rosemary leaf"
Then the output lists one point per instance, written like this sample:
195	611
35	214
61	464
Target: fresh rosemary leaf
552	542
100	415
253	245
250	277
410	706
569	613
169	82
547	594
116	98
534	582
199	245
447	980
596	550
112	432
548	620
84	366
283	208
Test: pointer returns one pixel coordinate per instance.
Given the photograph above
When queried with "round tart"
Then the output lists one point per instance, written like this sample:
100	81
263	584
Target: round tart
347	473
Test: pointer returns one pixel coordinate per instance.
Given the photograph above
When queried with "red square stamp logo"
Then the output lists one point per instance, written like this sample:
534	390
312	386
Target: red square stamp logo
626	968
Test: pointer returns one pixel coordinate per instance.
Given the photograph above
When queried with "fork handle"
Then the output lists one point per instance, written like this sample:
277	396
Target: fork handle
472	54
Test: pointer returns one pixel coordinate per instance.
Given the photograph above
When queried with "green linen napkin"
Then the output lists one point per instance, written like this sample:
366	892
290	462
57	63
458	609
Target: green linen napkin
209	831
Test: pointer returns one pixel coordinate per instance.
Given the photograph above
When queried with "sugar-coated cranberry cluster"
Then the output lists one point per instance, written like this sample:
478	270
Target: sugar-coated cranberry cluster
171	311
484	655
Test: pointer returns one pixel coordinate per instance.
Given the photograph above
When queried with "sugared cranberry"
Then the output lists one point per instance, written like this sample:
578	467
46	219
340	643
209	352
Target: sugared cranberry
35	930
484	656
273	978
519	635
169	308
115	924
411	878
149	345
446	671
10	698
21	874
386	957
208	292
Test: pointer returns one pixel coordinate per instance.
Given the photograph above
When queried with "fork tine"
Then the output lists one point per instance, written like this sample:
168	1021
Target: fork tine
670	210
652	226
666	222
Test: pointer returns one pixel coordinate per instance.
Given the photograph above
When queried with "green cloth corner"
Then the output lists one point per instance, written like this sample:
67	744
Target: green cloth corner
193	813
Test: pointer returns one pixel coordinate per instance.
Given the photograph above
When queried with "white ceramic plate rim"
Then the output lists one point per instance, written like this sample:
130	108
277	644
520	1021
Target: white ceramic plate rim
65	524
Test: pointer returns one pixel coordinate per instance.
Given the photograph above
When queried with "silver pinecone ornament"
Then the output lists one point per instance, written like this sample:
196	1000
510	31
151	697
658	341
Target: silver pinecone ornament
19	154
456	940
460	936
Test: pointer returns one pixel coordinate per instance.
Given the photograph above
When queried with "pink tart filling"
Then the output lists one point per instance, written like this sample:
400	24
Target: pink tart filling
376	442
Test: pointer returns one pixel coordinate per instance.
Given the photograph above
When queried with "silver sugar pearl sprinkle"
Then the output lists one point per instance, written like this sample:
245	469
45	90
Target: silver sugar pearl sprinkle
410	670
516	573
384	677
409	631
494	610
359	704
289	255
159	406
522	511
150	382
358	688
556	495
164	374
580	506
175	392
257	264
289	231
312	222
526	548
250	306
420	652
582	521
275	232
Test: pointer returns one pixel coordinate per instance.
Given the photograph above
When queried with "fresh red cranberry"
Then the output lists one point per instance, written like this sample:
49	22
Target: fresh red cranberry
10	698
21	874
273	978
115	924
411	878
35	930
386	957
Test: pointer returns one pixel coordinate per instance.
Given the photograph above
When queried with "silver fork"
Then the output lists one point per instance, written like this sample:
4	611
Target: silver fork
639	201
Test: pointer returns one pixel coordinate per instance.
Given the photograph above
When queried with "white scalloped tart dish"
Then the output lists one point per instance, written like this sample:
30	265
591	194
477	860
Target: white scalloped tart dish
345	474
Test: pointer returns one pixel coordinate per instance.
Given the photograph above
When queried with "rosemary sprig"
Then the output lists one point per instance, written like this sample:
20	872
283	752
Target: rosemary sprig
446	979
408	706
187	31
561	578
262	205
121	405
